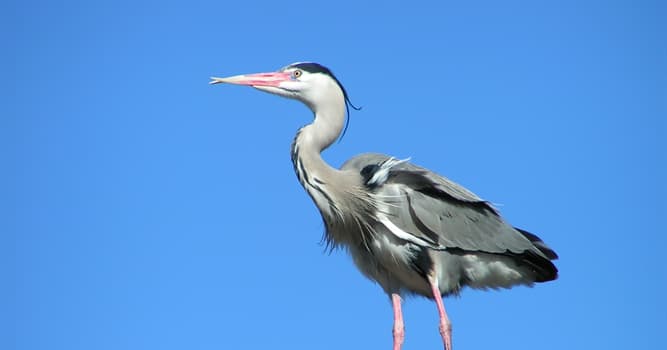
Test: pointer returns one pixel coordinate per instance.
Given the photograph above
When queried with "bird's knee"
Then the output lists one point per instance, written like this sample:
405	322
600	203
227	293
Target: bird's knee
398	332
445	328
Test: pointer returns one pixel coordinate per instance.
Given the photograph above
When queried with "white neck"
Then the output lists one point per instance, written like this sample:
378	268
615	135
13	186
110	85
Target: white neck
313	172
323	131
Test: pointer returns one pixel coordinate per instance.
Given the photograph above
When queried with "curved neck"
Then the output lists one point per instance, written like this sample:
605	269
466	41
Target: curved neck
320	134
312	171
317	136
326	126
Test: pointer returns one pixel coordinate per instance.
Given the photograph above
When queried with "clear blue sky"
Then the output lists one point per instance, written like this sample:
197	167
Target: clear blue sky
145	209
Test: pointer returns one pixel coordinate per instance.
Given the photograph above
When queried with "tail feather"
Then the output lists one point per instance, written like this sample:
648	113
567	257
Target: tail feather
544	268
539	244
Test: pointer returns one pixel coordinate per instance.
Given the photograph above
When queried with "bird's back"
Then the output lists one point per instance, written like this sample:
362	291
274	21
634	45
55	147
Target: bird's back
429	226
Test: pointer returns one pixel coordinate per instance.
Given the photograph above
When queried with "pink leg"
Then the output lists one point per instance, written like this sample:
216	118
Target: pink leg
445	325
398	330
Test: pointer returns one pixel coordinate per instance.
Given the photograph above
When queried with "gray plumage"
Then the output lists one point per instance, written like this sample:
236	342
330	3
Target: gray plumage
462	235
407	228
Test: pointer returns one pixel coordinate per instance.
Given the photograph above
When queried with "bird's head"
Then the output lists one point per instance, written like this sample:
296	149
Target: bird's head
311	83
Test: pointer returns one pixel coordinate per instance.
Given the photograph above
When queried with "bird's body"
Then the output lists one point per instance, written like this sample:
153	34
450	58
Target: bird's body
429	227
407	228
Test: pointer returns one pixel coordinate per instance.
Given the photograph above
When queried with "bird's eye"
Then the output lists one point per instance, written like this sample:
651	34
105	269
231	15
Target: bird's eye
297	73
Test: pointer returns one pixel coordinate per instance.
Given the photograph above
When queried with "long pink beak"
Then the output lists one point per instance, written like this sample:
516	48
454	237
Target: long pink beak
258	79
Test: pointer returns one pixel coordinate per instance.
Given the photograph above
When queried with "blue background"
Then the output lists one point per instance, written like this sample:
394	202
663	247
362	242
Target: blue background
146	209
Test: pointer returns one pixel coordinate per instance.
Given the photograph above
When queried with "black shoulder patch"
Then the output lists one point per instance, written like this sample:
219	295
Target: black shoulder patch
367	173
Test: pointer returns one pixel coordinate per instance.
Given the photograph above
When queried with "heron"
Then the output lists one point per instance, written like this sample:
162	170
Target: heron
409	229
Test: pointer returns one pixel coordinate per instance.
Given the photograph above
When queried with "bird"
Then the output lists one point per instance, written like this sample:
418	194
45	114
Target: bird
408	229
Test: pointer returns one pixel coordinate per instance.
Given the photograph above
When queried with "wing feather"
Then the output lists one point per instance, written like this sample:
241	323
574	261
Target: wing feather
441	212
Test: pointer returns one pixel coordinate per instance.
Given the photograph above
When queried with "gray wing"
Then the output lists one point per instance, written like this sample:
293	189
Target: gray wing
438	211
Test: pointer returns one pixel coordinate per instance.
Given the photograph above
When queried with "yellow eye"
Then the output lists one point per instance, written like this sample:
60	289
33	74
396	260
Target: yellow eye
297	73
